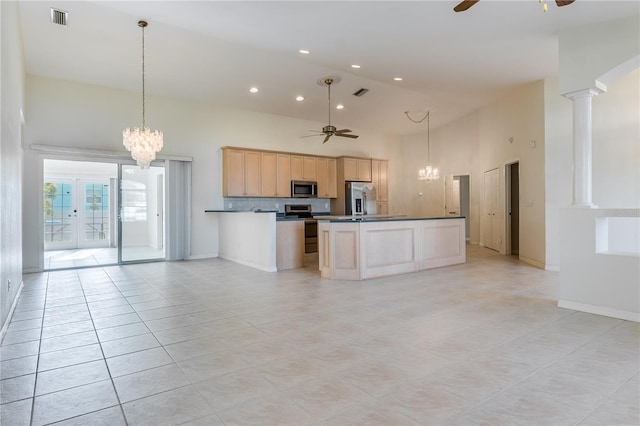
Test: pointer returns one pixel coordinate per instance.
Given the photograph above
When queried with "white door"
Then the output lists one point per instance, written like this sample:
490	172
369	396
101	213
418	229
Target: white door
94	219
452	195
491	218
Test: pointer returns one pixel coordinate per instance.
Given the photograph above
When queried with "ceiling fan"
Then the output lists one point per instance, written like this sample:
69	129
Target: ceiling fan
466	4
330	130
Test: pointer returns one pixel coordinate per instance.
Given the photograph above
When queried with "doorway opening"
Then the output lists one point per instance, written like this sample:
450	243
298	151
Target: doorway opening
81	220
457	199
512	192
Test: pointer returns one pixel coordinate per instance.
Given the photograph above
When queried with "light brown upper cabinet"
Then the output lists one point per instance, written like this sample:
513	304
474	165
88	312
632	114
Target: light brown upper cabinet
283	187
303	167
269	174
241	173
357	169
327	177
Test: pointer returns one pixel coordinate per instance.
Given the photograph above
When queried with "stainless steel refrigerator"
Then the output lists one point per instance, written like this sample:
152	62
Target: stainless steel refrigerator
360	198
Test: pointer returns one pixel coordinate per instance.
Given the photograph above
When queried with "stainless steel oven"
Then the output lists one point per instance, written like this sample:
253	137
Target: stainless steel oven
310	224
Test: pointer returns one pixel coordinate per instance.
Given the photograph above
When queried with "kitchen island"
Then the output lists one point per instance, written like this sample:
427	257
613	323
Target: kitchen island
361	247
260	239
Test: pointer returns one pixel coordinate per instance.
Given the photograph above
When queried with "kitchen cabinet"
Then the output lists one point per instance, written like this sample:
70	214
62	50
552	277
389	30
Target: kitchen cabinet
283	181
275	174
326	172
303	167
357	169
241	173
379	177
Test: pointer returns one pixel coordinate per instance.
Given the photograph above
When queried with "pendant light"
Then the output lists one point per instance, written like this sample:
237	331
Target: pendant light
429	172
142	142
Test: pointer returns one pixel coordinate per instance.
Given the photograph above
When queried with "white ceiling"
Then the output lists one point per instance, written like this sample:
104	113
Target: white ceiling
214	51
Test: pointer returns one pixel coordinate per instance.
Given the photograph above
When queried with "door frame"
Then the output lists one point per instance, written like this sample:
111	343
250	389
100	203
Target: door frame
468	197
508	207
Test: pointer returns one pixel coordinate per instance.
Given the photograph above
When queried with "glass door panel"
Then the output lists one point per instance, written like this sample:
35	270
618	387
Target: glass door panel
60	214
141	213
94	214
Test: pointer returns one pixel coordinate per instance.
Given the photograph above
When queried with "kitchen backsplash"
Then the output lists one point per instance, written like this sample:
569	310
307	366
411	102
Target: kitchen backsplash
255	203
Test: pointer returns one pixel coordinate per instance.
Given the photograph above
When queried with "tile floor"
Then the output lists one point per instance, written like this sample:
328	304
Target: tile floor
82	258
210	342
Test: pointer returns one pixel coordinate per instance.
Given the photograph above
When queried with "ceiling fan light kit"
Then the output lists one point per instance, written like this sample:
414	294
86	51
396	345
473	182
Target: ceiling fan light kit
330	130
466	4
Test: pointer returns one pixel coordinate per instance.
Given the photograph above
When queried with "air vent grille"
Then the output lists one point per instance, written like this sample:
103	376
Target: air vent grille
360	92
59	17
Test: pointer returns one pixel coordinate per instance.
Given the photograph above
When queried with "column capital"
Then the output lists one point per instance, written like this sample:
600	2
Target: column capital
591	91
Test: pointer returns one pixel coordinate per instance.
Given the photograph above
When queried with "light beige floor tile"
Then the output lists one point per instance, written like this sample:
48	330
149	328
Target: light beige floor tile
369	413
17	388
268	410
19	350
67	357
193	348
16	413
168	408
116	320
18	367
211	365
122	331
622	408
69	341
71	376
149	382
138	361
73	402
129	344
111	416
232	389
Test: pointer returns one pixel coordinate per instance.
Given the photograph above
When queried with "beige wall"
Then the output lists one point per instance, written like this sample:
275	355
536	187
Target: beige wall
12	83
481	142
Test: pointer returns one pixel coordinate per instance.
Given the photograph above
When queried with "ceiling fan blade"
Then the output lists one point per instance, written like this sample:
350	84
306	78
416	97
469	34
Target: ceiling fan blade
344	131
326	139
309	136
564	2
466	4
346	135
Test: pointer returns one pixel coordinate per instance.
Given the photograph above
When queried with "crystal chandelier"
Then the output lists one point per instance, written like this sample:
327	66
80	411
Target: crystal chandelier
142	142
429	172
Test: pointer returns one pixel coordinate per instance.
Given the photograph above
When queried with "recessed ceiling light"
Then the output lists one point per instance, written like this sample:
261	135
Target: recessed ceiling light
304	51
339	106
254	90
299	98
397	78
355	66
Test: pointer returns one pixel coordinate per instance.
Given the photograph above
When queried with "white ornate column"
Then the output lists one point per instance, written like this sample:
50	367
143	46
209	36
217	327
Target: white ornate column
582	173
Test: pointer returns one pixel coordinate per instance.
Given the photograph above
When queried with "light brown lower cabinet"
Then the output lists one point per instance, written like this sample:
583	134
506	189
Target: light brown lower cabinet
289	244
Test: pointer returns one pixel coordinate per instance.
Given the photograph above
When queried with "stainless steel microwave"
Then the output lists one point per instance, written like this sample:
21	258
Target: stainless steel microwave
304	189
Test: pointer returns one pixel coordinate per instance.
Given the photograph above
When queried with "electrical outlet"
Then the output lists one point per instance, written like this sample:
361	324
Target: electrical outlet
326	205
277	205
230	205
9	284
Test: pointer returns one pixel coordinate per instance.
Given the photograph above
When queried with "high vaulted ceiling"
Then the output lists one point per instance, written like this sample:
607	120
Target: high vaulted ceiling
214	51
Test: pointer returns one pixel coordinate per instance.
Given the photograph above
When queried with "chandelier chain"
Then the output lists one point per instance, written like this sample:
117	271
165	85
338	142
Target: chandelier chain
143	93
416	121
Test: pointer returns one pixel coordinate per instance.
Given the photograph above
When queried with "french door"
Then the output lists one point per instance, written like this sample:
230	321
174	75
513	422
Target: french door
76	213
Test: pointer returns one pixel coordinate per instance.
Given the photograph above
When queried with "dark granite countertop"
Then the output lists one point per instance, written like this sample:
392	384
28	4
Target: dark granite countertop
345	219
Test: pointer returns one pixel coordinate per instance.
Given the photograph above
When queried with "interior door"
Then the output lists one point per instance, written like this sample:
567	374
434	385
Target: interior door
491	218
60	214
140	213
452	195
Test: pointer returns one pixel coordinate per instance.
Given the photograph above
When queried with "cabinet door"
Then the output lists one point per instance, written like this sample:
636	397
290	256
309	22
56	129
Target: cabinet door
296	167
284	176
309	168
269	175
375	174
350	169
252	173
382	208
332	178
233	173
321	170
364	170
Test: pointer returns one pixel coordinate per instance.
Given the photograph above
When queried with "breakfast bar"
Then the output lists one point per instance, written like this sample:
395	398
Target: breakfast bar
358	248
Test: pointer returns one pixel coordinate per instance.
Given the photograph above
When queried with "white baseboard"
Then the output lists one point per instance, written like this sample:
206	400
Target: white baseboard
600	310
202	256
531	262
11	310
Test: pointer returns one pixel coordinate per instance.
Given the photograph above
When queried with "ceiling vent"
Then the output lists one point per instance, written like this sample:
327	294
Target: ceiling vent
59	17
360	92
